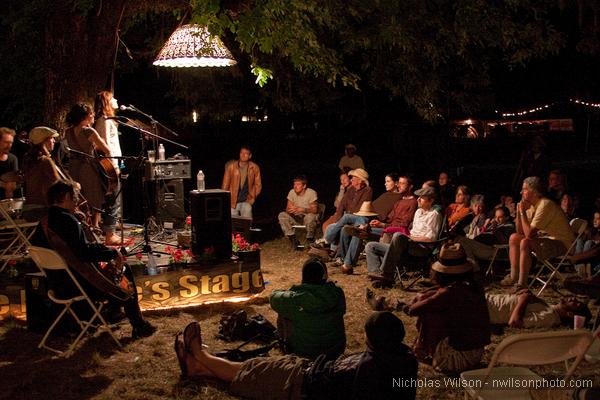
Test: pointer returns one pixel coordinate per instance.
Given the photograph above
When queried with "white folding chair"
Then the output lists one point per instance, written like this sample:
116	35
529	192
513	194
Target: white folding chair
525	349
553	265
15	232
47	259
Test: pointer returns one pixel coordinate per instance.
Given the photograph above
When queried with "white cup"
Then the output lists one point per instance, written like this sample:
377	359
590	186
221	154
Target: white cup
151	155
578	321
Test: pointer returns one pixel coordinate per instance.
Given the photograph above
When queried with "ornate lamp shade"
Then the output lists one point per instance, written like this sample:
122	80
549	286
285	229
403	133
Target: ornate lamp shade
192	46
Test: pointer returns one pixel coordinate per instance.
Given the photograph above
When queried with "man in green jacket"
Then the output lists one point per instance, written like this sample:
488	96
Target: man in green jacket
311	315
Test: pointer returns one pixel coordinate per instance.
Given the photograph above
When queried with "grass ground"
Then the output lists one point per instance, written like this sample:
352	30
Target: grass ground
148	369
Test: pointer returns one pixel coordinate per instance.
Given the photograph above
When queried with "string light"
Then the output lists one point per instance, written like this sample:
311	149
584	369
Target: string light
546	106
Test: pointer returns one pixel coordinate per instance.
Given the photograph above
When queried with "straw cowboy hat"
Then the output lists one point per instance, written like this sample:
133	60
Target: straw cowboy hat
452	260
366	210
40	133
361	174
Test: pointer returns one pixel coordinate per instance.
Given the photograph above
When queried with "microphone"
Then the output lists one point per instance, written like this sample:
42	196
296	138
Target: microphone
127	108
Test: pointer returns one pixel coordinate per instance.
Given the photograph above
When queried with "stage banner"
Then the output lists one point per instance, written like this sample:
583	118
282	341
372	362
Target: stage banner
198	283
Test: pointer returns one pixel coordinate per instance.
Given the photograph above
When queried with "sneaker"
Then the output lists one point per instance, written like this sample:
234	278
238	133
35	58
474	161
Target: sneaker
507	281
320	244
338	261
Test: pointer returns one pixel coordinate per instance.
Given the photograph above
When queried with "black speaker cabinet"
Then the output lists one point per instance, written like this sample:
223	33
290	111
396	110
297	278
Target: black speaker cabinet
211	222
169	205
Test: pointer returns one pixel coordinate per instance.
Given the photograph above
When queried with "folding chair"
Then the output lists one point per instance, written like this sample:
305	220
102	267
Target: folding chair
497	248
525	349
47	259
416	268
13	231
553	265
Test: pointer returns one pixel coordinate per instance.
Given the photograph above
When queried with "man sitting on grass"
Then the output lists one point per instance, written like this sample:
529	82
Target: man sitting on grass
366	375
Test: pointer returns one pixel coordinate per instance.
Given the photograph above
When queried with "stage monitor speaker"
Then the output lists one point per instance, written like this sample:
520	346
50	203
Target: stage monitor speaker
168	202
211	222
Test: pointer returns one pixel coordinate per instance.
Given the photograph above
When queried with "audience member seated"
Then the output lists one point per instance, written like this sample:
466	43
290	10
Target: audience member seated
9	164
62	232
383	258
508	202
496	230
524	310
359	192
344	185
437	206
541	227
591	238
453	321
366	375
557	185
446	189
311	315
568	203
459	213
39	172
478	220
301	209
350	160
398	219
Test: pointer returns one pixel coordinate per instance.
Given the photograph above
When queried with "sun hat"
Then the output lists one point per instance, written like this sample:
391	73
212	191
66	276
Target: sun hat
426	191
366	210
452	260
361	174
40	133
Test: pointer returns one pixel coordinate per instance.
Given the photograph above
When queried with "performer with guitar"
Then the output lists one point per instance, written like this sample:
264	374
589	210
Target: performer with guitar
83	167
105	105
61	231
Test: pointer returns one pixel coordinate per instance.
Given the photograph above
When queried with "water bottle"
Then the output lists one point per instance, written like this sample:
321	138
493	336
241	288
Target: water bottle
151	266
200	181
161	152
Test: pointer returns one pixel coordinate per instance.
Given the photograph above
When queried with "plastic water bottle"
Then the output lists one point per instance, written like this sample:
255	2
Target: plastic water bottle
200	181
151	266
161	152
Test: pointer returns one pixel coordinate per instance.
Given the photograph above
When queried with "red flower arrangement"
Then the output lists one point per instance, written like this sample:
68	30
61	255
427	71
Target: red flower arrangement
239	243
178	255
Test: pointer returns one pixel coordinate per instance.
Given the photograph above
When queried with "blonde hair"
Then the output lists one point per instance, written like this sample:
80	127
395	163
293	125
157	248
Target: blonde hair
7	131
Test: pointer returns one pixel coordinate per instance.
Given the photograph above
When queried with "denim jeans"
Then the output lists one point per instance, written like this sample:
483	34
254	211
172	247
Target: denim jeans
243	209
350	246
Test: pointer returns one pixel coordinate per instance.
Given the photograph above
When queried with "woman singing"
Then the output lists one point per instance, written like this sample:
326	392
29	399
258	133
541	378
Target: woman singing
83	167
105	105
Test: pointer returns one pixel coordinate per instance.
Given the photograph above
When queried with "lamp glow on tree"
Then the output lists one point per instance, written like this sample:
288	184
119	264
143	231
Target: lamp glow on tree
192	45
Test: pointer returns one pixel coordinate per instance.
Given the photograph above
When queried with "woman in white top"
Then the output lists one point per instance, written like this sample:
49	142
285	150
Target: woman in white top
105	105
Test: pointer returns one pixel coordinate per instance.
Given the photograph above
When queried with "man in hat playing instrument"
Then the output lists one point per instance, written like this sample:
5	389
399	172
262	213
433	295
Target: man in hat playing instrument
452	317
302	208
350	160
382	258
359	192
398	219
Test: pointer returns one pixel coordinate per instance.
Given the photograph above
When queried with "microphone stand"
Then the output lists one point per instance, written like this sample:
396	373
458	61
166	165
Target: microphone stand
146	243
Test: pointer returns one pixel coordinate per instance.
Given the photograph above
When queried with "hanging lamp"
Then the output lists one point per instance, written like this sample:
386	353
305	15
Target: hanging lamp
192	45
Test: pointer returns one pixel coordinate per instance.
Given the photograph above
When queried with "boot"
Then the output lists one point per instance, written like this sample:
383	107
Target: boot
293	242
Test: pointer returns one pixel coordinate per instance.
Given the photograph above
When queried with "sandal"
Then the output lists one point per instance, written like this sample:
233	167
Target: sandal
190	333
180	351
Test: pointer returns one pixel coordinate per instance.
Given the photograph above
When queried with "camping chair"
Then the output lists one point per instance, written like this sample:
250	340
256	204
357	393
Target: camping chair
300	230
13	231
553	265
416	268
525	349
47	259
